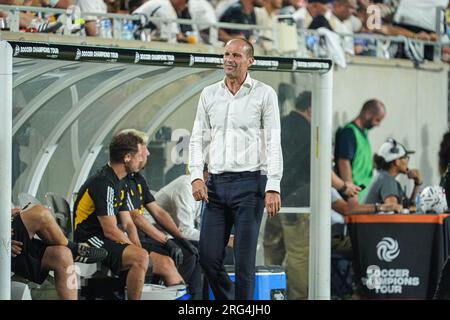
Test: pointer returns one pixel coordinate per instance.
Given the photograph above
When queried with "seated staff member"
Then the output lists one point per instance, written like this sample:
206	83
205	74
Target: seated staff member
392	160
99	204
184	254
34	258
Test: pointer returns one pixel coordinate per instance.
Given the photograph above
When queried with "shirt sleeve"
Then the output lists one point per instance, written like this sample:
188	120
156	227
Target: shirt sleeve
186	212
103	195
346	145
227	16
272	136
199	140
390	188
335	196
168	12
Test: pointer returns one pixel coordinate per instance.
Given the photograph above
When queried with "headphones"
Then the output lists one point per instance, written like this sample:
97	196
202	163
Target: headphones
394	148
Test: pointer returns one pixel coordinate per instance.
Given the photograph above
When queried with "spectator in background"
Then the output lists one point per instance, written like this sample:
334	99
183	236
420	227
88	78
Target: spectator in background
222	6
265	18
166	9
202	11
290	6
341	21
385	28
57	4
242	12
353	153
28	20
305	15
444	165
420	17
134	4
97	6
391	160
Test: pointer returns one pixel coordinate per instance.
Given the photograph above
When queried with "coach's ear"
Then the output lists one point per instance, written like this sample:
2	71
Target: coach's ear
251	60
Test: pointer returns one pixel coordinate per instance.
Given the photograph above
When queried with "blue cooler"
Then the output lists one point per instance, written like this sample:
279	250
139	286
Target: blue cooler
270	283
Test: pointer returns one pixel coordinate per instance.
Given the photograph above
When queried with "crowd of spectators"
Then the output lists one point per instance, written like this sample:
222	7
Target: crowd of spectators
408	18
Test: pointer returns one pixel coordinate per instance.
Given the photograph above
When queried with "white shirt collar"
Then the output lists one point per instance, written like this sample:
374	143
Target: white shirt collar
248	82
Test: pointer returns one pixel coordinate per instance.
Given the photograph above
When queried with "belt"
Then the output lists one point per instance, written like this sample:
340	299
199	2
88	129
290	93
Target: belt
242	174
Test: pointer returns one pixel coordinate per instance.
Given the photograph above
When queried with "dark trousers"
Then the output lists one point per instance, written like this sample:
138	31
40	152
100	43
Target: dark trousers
189	269
234	199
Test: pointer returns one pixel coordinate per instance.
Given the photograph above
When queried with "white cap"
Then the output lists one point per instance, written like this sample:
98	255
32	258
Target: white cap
392	150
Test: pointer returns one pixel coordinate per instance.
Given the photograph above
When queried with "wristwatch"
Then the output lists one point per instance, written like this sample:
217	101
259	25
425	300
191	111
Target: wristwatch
378	208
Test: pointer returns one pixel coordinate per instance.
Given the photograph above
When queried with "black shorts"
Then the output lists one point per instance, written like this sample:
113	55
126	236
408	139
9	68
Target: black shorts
28	263
151	245
115	252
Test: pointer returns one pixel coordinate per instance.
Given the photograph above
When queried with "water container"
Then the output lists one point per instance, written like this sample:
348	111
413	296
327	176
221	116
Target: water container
105	29
270	283
127	31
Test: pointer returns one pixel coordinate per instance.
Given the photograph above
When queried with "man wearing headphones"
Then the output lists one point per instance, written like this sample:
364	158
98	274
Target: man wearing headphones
392	160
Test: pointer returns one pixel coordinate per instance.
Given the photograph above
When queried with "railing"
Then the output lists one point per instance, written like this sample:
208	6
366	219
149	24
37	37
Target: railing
310	48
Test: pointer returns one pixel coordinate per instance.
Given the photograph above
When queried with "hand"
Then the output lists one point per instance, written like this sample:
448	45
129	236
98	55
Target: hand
273	203
181	38
14	212
416	176
351	189
175	252
389	207
189	247
16	248
424	36
199	190
230	241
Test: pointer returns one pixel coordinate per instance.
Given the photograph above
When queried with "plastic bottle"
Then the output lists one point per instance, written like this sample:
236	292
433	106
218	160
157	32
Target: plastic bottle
105	29
127	31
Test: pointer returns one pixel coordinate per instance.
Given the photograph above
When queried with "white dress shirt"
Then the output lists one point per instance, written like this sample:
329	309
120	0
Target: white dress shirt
236	133
419	13
176	198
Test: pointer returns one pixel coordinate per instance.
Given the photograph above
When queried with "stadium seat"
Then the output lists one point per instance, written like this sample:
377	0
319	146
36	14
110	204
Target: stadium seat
60	208
25	199
20	291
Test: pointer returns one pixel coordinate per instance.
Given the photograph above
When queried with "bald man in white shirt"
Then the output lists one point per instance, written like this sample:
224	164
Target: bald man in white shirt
237	132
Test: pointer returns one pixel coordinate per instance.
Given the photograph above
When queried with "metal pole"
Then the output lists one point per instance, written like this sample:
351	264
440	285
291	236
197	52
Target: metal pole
5	168
320	219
